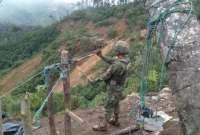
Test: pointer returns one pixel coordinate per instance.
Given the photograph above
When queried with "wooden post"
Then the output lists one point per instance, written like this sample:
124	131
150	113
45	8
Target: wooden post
1	120
51	83
66	86
26	115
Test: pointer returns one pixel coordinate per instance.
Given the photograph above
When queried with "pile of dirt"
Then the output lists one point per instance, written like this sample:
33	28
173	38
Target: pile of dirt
91	117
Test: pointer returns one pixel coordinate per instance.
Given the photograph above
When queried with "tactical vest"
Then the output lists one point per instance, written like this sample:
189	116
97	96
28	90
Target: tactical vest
120	72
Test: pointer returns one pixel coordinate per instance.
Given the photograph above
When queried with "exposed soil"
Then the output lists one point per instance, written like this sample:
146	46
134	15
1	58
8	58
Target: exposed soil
91	116
20	73
77	76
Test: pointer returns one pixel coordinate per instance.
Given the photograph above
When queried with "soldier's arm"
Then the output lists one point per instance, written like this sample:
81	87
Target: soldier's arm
107	59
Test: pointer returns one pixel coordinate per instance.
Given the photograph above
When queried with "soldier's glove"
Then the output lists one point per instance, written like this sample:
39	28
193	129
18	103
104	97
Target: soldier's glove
99	53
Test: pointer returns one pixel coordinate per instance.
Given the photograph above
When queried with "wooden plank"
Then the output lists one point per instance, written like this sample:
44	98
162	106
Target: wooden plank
74	116
126	130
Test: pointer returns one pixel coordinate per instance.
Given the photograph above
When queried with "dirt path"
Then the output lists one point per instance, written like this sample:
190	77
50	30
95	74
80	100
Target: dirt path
20	73
91	117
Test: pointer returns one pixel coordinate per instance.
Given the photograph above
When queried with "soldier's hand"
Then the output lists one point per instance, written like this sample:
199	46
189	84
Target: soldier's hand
99	53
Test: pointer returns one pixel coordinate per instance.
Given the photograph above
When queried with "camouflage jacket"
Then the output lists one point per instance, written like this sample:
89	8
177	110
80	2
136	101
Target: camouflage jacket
116	74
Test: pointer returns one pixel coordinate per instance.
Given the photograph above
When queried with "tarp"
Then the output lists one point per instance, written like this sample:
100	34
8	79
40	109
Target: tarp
10	128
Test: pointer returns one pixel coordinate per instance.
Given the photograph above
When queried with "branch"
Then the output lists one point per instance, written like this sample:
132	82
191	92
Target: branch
127	130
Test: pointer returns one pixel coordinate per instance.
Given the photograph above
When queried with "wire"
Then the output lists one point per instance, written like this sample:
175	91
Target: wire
37	115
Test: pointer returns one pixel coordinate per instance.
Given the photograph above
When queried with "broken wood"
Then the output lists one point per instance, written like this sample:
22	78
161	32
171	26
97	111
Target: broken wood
126	130
74	116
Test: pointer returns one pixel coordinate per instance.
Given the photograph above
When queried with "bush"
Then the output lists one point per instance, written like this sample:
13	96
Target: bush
112	33
98	100
58	104
105	22
153	80
11	105
79	101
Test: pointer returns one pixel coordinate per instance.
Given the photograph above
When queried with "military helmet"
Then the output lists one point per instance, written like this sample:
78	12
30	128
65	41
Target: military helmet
121	47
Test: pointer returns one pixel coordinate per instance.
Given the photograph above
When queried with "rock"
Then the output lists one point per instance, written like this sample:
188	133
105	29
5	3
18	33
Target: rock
182	68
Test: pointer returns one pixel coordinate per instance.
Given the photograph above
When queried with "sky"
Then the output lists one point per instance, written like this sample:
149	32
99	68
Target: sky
28	2
67	1
16	10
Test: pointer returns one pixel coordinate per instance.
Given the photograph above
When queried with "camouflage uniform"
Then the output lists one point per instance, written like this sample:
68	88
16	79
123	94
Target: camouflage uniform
114	77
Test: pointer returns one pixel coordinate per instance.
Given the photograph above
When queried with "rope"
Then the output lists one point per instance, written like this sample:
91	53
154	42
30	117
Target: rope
177	32
153	23
36	118
47	70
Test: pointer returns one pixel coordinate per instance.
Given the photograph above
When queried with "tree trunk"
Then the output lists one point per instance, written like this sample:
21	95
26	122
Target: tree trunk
183	69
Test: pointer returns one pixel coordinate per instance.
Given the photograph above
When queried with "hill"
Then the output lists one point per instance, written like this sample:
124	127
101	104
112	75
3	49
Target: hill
76	33
33	50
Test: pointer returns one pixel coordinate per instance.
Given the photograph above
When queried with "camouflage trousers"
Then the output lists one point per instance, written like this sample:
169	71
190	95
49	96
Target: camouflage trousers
112	105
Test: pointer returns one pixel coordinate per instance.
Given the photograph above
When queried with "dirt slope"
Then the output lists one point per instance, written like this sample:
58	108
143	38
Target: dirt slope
91	117
20	73
77	76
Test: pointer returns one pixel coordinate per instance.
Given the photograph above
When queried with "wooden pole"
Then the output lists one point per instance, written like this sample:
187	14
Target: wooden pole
1	120
51	83
26	115
66	86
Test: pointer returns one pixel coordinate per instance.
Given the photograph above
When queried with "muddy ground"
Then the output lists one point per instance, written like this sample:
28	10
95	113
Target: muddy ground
91	116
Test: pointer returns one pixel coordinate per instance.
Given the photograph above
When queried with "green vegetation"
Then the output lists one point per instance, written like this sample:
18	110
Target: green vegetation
18	44
104	16
78	41
112	33
197	8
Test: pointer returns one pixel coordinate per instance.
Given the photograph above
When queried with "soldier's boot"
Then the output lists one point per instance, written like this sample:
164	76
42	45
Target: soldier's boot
101	126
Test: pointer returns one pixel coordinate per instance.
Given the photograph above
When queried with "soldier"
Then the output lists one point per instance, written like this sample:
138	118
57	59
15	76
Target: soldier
114	78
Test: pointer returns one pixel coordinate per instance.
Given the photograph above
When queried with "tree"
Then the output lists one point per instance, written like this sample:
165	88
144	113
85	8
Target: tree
97	3
121	2
107	3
